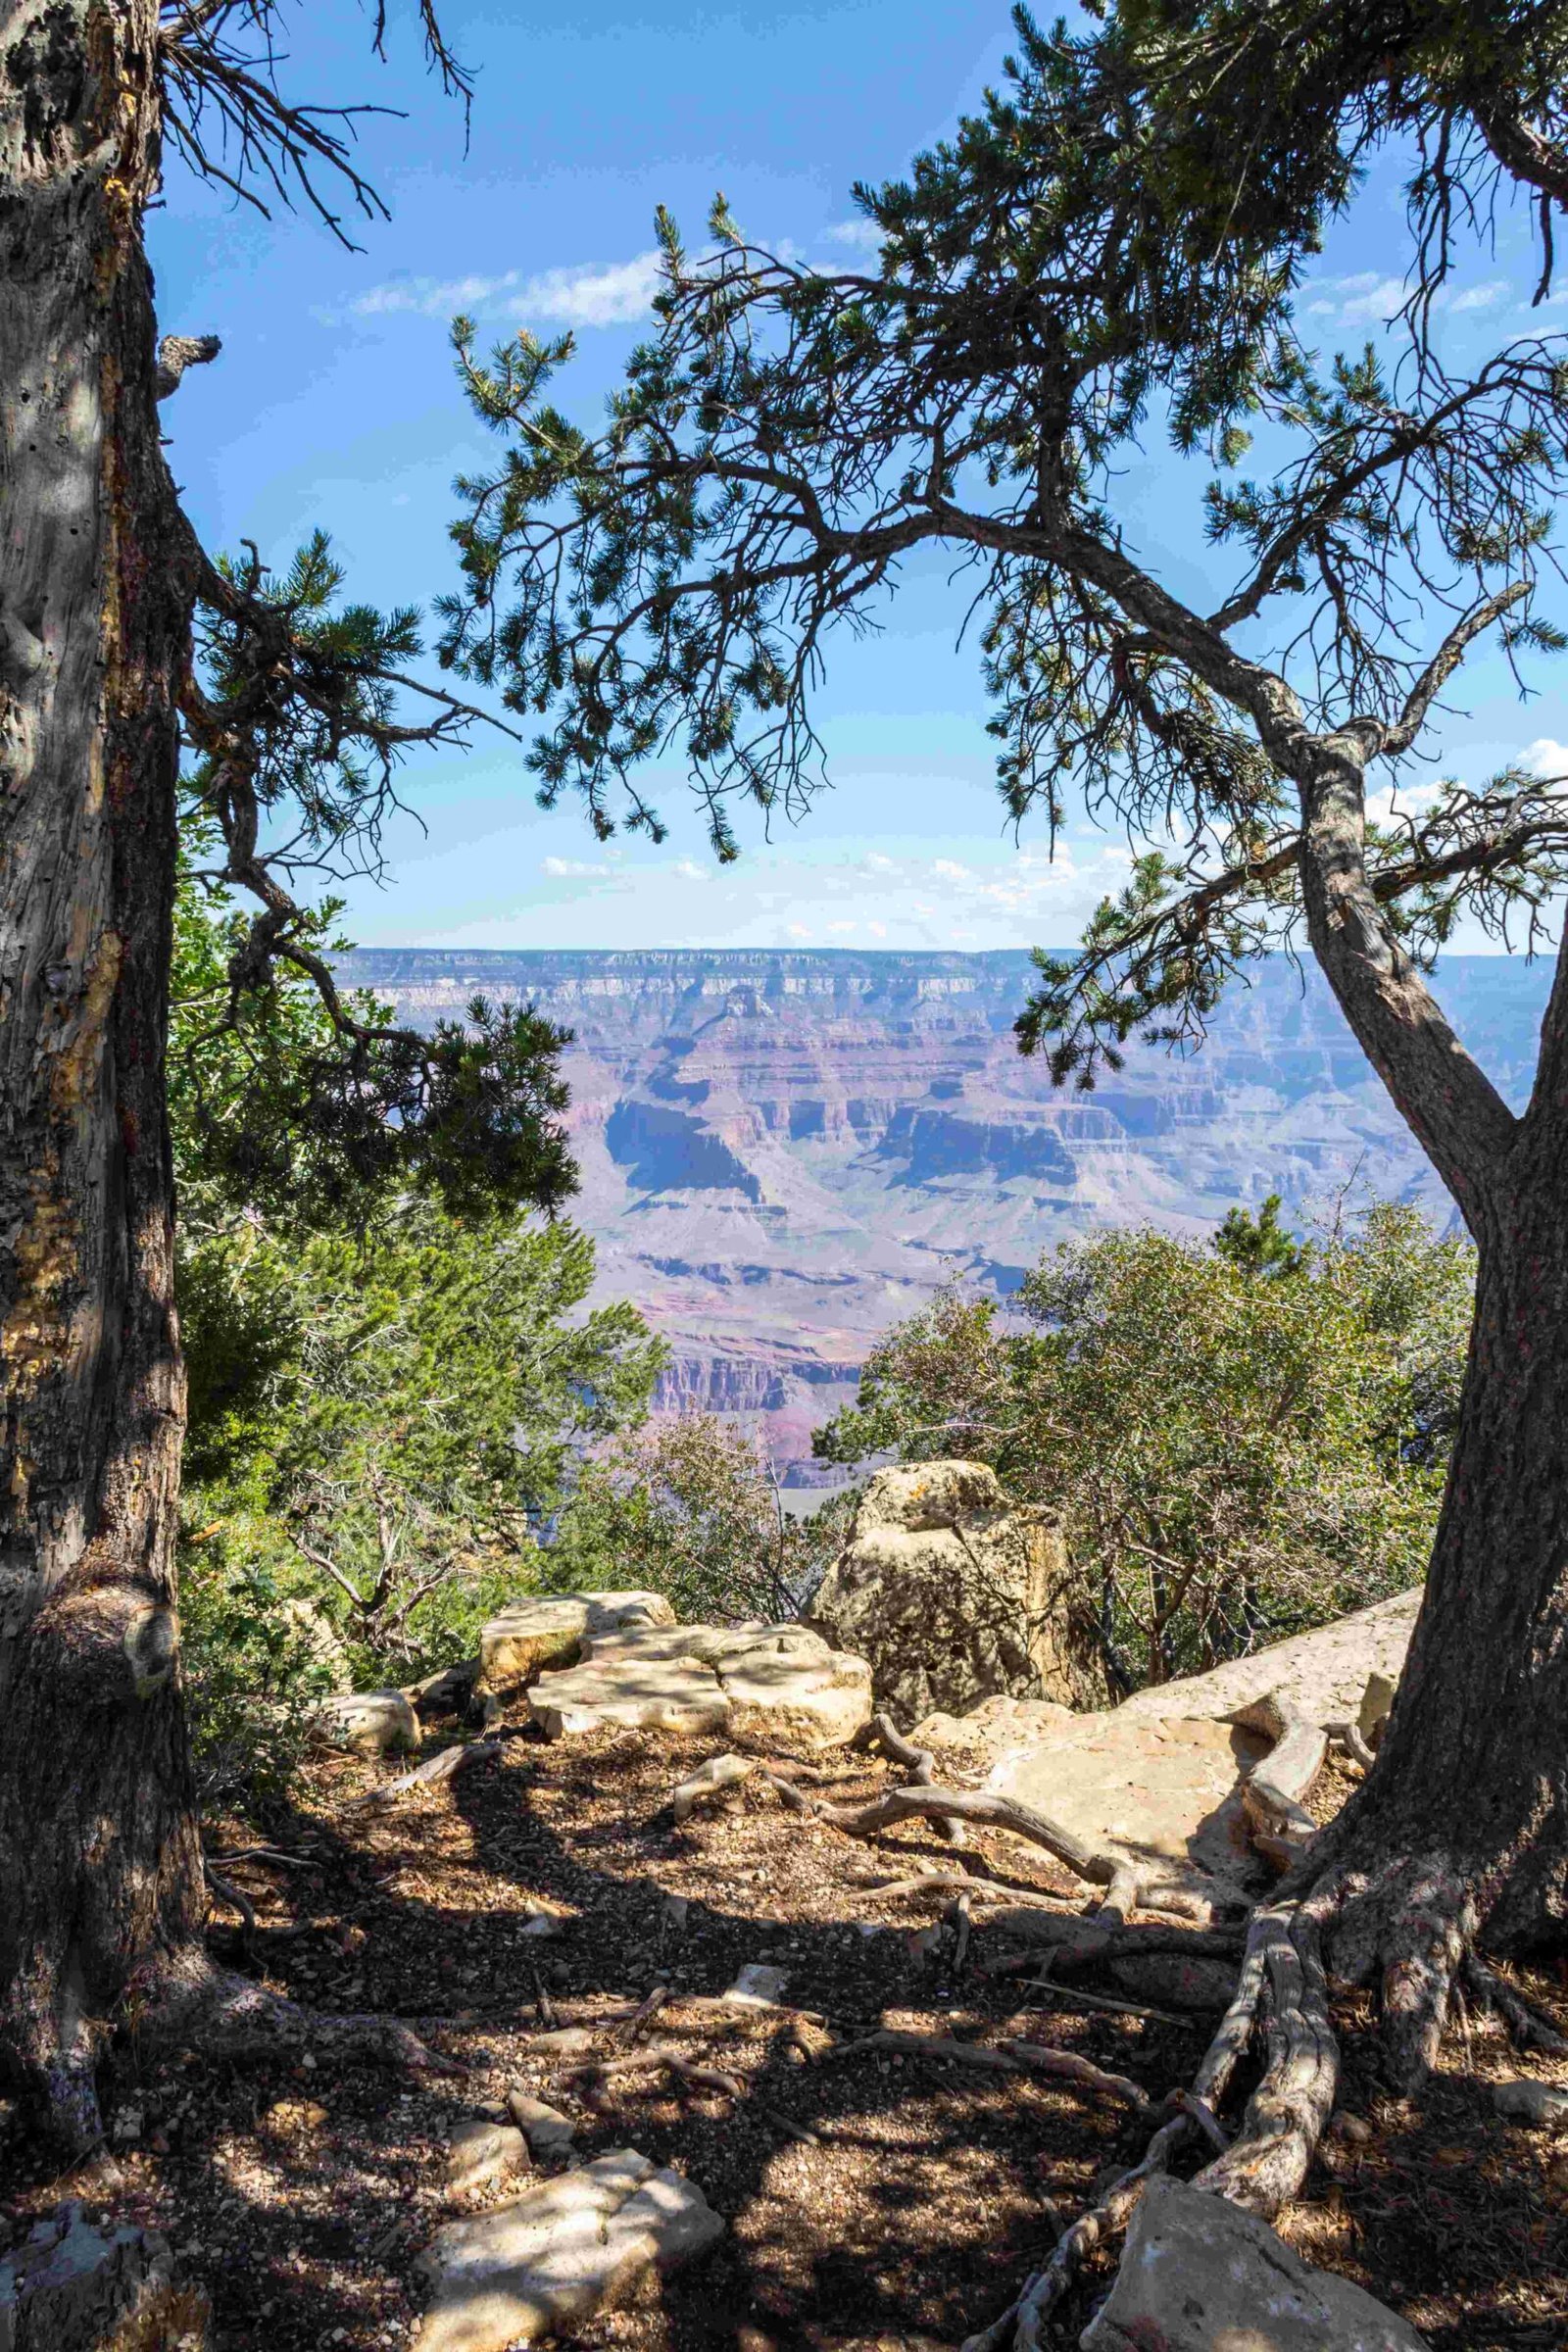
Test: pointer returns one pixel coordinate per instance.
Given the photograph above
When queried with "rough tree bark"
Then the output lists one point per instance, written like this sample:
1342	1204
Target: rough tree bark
99	1856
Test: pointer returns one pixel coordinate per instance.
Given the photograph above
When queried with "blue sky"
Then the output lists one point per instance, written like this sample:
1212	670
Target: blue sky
334	405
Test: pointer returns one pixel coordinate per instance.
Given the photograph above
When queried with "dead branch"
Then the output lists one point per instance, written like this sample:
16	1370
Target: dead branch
1014	2057
442	1767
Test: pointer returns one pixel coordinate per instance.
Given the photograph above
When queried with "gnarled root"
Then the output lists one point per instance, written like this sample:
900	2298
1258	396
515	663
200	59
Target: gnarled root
198	2006
1413	1920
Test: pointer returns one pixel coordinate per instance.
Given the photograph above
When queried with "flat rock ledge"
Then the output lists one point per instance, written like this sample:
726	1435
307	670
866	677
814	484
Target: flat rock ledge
1198	2275
546	1630
759	1680
549	2262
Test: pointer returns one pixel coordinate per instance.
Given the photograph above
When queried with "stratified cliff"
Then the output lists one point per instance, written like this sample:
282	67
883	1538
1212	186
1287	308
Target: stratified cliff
783	1153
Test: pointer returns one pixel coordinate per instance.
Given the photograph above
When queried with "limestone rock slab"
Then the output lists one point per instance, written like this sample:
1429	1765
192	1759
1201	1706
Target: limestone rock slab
543	1630
1320	1676
1152	1789
1198	2275
582	2245
758	1680
953	1592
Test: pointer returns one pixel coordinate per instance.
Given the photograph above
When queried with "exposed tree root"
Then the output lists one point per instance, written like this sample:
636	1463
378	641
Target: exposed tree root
1527	2026
1413	1922
956	1804
199	2006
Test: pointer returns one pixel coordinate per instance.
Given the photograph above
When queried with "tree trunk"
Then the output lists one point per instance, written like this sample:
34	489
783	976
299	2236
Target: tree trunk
1474	1765
99	1857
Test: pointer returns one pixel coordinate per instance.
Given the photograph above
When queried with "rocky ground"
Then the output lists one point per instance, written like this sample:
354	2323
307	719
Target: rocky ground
872	2197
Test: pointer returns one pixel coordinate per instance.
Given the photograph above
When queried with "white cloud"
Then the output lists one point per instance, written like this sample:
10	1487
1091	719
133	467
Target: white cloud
1365	300
571	870
616	294
1544	758
1479	298
433	297
951	873
864	234
688	870
593	294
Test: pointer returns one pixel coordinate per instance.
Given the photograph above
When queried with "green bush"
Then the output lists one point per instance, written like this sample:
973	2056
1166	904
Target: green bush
690	1508
1242	1440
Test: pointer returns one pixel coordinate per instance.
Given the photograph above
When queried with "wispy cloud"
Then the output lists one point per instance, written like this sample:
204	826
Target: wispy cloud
864	234
1368	299
573	869
592	294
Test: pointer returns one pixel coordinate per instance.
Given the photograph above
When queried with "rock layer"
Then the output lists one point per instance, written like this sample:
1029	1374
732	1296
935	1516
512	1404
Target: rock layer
954	1594
763	1681
783	1152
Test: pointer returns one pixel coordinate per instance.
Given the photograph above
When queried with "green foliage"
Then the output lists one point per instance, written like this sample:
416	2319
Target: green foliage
393	1421
1106	254
386	1395
289	1091
1242	1440
1260	1247
252	1665
690	1508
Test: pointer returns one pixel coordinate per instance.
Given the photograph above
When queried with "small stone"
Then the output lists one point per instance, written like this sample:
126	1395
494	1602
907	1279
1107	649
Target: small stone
676	1907
718	1774
547	2130
539	1923
1541	2105
482	2152
1352	2129
757	1986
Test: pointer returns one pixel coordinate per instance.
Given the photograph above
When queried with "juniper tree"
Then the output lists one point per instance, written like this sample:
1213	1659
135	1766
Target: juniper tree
121	641
1110	251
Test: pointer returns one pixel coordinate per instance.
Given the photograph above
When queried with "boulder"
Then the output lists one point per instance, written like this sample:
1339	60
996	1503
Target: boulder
585	2242
1198	2275
954	1594
1320	1677
749	1680
368	1723
70	2286
548	1628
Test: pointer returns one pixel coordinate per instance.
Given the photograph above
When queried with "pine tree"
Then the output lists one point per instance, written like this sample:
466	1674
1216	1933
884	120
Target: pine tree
121	644
1110	249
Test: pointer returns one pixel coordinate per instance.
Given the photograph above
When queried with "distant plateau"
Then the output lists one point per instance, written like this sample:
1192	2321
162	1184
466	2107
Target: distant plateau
784	1151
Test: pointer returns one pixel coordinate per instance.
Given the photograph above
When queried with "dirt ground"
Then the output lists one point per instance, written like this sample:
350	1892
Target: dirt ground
873	2200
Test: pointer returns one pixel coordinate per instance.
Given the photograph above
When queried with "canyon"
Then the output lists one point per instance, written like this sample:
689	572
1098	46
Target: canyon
783	1153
